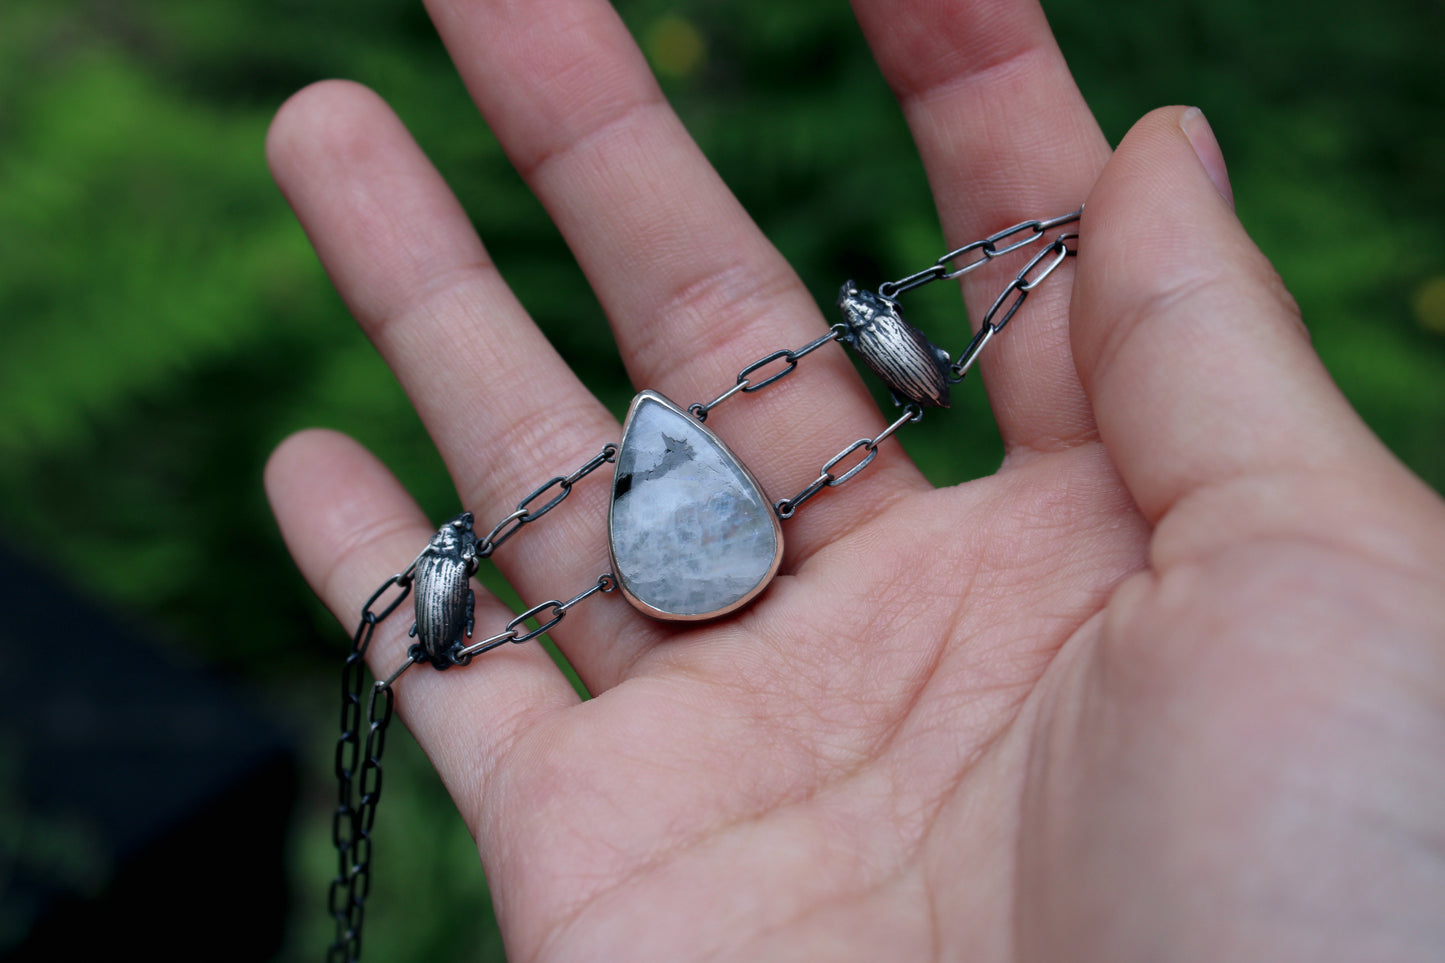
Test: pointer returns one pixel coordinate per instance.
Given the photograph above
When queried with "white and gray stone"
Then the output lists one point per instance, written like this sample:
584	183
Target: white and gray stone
691	533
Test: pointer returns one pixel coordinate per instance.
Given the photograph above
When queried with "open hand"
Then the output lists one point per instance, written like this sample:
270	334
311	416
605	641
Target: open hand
1168	685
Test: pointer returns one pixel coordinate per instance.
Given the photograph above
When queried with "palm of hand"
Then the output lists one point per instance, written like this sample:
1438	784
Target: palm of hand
1085	708
979	758
869	704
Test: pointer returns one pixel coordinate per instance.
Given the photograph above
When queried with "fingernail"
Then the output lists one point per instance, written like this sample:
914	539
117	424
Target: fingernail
1206	148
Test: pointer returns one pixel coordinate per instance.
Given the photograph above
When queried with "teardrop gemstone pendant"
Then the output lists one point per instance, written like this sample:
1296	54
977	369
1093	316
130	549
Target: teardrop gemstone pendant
691	533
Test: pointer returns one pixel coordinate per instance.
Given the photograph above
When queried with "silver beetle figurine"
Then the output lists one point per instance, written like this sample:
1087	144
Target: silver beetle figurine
913	368
444	598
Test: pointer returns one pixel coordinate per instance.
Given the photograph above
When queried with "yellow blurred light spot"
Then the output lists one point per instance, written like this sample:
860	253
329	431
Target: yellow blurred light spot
1429	304
674	46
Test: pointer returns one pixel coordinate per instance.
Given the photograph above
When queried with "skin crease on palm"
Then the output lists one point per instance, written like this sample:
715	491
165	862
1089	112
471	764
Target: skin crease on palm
1170	685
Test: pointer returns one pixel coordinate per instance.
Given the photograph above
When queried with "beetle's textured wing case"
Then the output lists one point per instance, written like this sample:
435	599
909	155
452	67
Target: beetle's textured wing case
912	367
443	602
907	363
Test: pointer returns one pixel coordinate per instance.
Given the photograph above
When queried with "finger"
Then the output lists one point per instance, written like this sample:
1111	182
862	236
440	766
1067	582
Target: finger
694	291
1005	137
403	255
347	522
503	408
1203	380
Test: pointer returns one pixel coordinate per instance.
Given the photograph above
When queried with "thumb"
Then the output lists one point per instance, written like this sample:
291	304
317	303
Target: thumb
1193	354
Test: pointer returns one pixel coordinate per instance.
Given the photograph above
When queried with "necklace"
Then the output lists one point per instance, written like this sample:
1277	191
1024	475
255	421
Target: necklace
691	535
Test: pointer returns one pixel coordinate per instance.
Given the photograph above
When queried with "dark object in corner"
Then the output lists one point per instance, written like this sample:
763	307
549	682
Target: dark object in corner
144	805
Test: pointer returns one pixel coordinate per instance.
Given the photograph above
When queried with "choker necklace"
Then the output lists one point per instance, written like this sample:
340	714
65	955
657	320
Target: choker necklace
691	535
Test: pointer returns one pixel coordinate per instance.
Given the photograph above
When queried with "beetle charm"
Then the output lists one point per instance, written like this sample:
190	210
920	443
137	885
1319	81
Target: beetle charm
444	598
913	368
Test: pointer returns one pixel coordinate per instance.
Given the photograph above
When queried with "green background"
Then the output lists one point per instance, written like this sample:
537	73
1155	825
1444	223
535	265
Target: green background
163	323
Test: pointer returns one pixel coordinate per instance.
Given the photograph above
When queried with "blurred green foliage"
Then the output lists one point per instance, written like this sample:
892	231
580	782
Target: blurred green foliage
163	323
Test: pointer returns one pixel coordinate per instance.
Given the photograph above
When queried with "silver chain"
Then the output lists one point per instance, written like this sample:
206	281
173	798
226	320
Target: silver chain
358	797
744	380
524	513
827	479
988	248
1004	307
1007	304
516	630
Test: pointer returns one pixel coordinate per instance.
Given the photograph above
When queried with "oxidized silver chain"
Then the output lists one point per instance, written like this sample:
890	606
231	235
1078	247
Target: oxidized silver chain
915	371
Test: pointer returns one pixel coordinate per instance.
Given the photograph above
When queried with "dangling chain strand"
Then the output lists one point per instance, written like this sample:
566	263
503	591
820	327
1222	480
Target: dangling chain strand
354	815
355	812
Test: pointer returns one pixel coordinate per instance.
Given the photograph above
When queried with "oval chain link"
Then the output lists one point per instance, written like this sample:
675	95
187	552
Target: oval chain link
355	813
525	514
787	507
744	382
